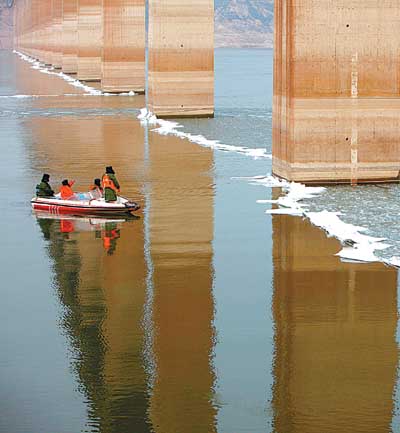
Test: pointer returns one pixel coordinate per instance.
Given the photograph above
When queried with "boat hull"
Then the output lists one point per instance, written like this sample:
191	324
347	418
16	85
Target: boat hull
82	209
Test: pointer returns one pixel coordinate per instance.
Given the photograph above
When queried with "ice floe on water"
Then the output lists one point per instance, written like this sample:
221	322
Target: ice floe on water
168	127
70	80
357	246
34	96
18	96
394	261
296	193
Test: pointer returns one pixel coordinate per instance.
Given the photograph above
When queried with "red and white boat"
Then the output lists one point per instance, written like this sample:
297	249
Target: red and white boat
84	204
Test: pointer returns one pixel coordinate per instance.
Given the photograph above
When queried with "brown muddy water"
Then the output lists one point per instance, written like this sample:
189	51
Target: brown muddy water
201	315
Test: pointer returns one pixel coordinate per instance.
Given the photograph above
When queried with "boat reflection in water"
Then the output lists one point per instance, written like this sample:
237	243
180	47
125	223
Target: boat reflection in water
335	364
100	279
106	229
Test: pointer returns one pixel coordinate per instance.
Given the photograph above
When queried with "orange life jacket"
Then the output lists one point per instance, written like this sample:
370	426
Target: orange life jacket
66	192
108	183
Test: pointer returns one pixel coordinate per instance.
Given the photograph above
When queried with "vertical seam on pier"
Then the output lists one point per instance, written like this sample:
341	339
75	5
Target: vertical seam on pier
354	120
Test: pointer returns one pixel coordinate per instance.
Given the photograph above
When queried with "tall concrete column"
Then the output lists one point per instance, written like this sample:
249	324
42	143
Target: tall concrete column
124	45
17	26
56	33
70	37
44	19
20	28
90	39
34	28
27	26
48	32
181	57
337	92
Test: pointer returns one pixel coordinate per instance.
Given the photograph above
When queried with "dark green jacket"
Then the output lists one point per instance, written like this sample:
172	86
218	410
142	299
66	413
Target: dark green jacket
110	194
44	190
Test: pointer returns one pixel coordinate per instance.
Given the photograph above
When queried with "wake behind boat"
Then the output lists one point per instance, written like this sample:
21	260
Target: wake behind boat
84	204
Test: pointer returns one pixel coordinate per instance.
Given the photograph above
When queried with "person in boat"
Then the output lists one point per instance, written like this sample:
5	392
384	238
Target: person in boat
96	190
96	186
110	184
66	190
44	189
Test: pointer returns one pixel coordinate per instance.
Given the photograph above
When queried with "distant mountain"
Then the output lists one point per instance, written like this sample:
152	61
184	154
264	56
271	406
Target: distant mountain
244	23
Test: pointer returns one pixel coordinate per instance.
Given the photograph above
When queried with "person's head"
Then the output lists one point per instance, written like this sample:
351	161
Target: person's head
45	177
109	170
65	182
97	182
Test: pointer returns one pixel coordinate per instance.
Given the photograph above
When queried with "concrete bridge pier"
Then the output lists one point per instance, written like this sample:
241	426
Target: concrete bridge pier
69	60
336	114
56	34
46	20
90	39
181	58
32	28
123	46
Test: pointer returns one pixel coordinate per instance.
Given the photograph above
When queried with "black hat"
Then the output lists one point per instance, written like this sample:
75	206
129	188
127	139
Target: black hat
65	182
110	170
45	177
97	182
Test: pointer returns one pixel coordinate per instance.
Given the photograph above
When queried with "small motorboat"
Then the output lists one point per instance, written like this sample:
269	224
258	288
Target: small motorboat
84	204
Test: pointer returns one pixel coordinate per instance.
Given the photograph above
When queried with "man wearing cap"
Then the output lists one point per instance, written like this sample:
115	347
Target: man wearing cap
110	185
44	188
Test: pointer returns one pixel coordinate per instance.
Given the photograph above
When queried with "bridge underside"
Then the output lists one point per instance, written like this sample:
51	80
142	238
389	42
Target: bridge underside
337	91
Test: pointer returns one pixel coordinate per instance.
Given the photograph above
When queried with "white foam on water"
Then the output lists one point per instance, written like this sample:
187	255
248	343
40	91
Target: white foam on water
362	246
357	246
267	181
287	211
72	81
295	193
394	261
131	93
167	127
40	96
20	96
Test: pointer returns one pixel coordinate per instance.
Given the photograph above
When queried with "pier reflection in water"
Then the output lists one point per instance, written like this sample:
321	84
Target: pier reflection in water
181	232
336	355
